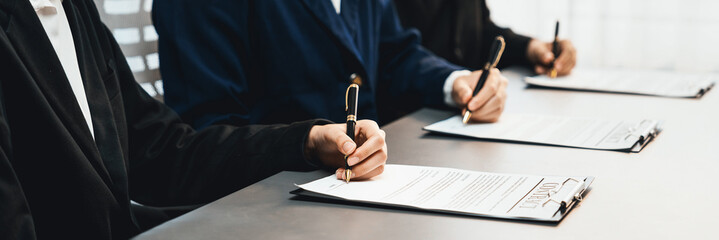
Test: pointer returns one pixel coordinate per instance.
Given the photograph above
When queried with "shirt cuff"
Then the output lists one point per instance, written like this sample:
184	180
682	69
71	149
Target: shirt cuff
448	86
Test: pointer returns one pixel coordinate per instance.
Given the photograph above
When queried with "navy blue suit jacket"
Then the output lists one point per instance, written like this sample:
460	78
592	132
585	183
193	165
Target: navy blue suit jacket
271	61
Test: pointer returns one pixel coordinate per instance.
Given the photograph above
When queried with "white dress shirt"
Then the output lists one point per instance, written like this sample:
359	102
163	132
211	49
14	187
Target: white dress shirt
54	21
337	4
448	83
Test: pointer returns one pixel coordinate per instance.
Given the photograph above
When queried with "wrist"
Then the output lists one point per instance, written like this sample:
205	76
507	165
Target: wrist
310	144
531	49
448	87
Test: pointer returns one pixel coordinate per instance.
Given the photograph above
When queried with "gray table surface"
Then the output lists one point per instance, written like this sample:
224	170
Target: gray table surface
667	191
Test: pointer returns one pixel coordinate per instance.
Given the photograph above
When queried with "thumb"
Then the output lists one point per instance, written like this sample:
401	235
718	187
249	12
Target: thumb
464	93
547	57
342	142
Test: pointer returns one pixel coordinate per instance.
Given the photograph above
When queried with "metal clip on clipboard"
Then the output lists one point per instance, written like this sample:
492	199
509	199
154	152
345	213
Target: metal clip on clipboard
575	195
644	132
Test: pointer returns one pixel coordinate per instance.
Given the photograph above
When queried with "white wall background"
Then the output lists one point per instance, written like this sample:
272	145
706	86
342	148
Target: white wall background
681	35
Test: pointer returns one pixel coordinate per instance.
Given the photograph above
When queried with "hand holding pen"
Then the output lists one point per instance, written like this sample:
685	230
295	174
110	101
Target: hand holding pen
374	163
329	144
356	149
482	94
558	55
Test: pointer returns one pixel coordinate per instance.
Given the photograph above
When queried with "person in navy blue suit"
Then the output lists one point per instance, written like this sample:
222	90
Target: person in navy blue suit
278	61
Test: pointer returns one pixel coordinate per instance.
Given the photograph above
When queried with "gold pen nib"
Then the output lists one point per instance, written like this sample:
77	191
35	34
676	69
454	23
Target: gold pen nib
465	118
553	73
348	175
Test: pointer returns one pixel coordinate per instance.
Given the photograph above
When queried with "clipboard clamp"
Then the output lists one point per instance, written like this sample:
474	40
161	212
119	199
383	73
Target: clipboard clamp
643	132
575	195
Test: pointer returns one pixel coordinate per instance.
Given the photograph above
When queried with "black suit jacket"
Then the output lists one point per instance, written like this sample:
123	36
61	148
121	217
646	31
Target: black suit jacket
56	181
461	31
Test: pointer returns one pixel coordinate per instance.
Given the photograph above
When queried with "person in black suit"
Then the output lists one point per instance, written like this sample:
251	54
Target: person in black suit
461	31
80	139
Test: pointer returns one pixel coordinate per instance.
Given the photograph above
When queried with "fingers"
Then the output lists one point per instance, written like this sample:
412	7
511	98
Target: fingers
544	61
370	167
339	136
463	92
541	69
546	57
539	53
567	58
495	82
463	88
374	141
340	174
491	111
486	92
369	158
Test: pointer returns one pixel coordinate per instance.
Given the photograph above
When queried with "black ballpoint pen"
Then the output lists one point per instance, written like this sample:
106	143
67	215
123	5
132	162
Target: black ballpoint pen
351	97
495	53
555	51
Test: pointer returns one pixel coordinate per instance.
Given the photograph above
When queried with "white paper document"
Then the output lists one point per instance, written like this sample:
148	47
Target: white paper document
542	198
657	83
621	135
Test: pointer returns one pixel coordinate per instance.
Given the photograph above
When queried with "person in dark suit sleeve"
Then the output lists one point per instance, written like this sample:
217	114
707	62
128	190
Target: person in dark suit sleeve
80	139
461	31
277	61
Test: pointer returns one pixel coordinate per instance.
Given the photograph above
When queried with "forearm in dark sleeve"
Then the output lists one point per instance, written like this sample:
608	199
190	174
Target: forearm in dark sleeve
172	164
186	167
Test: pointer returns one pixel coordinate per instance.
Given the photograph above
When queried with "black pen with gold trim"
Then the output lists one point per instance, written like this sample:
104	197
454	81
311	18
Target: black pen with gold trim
495	53
351	98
